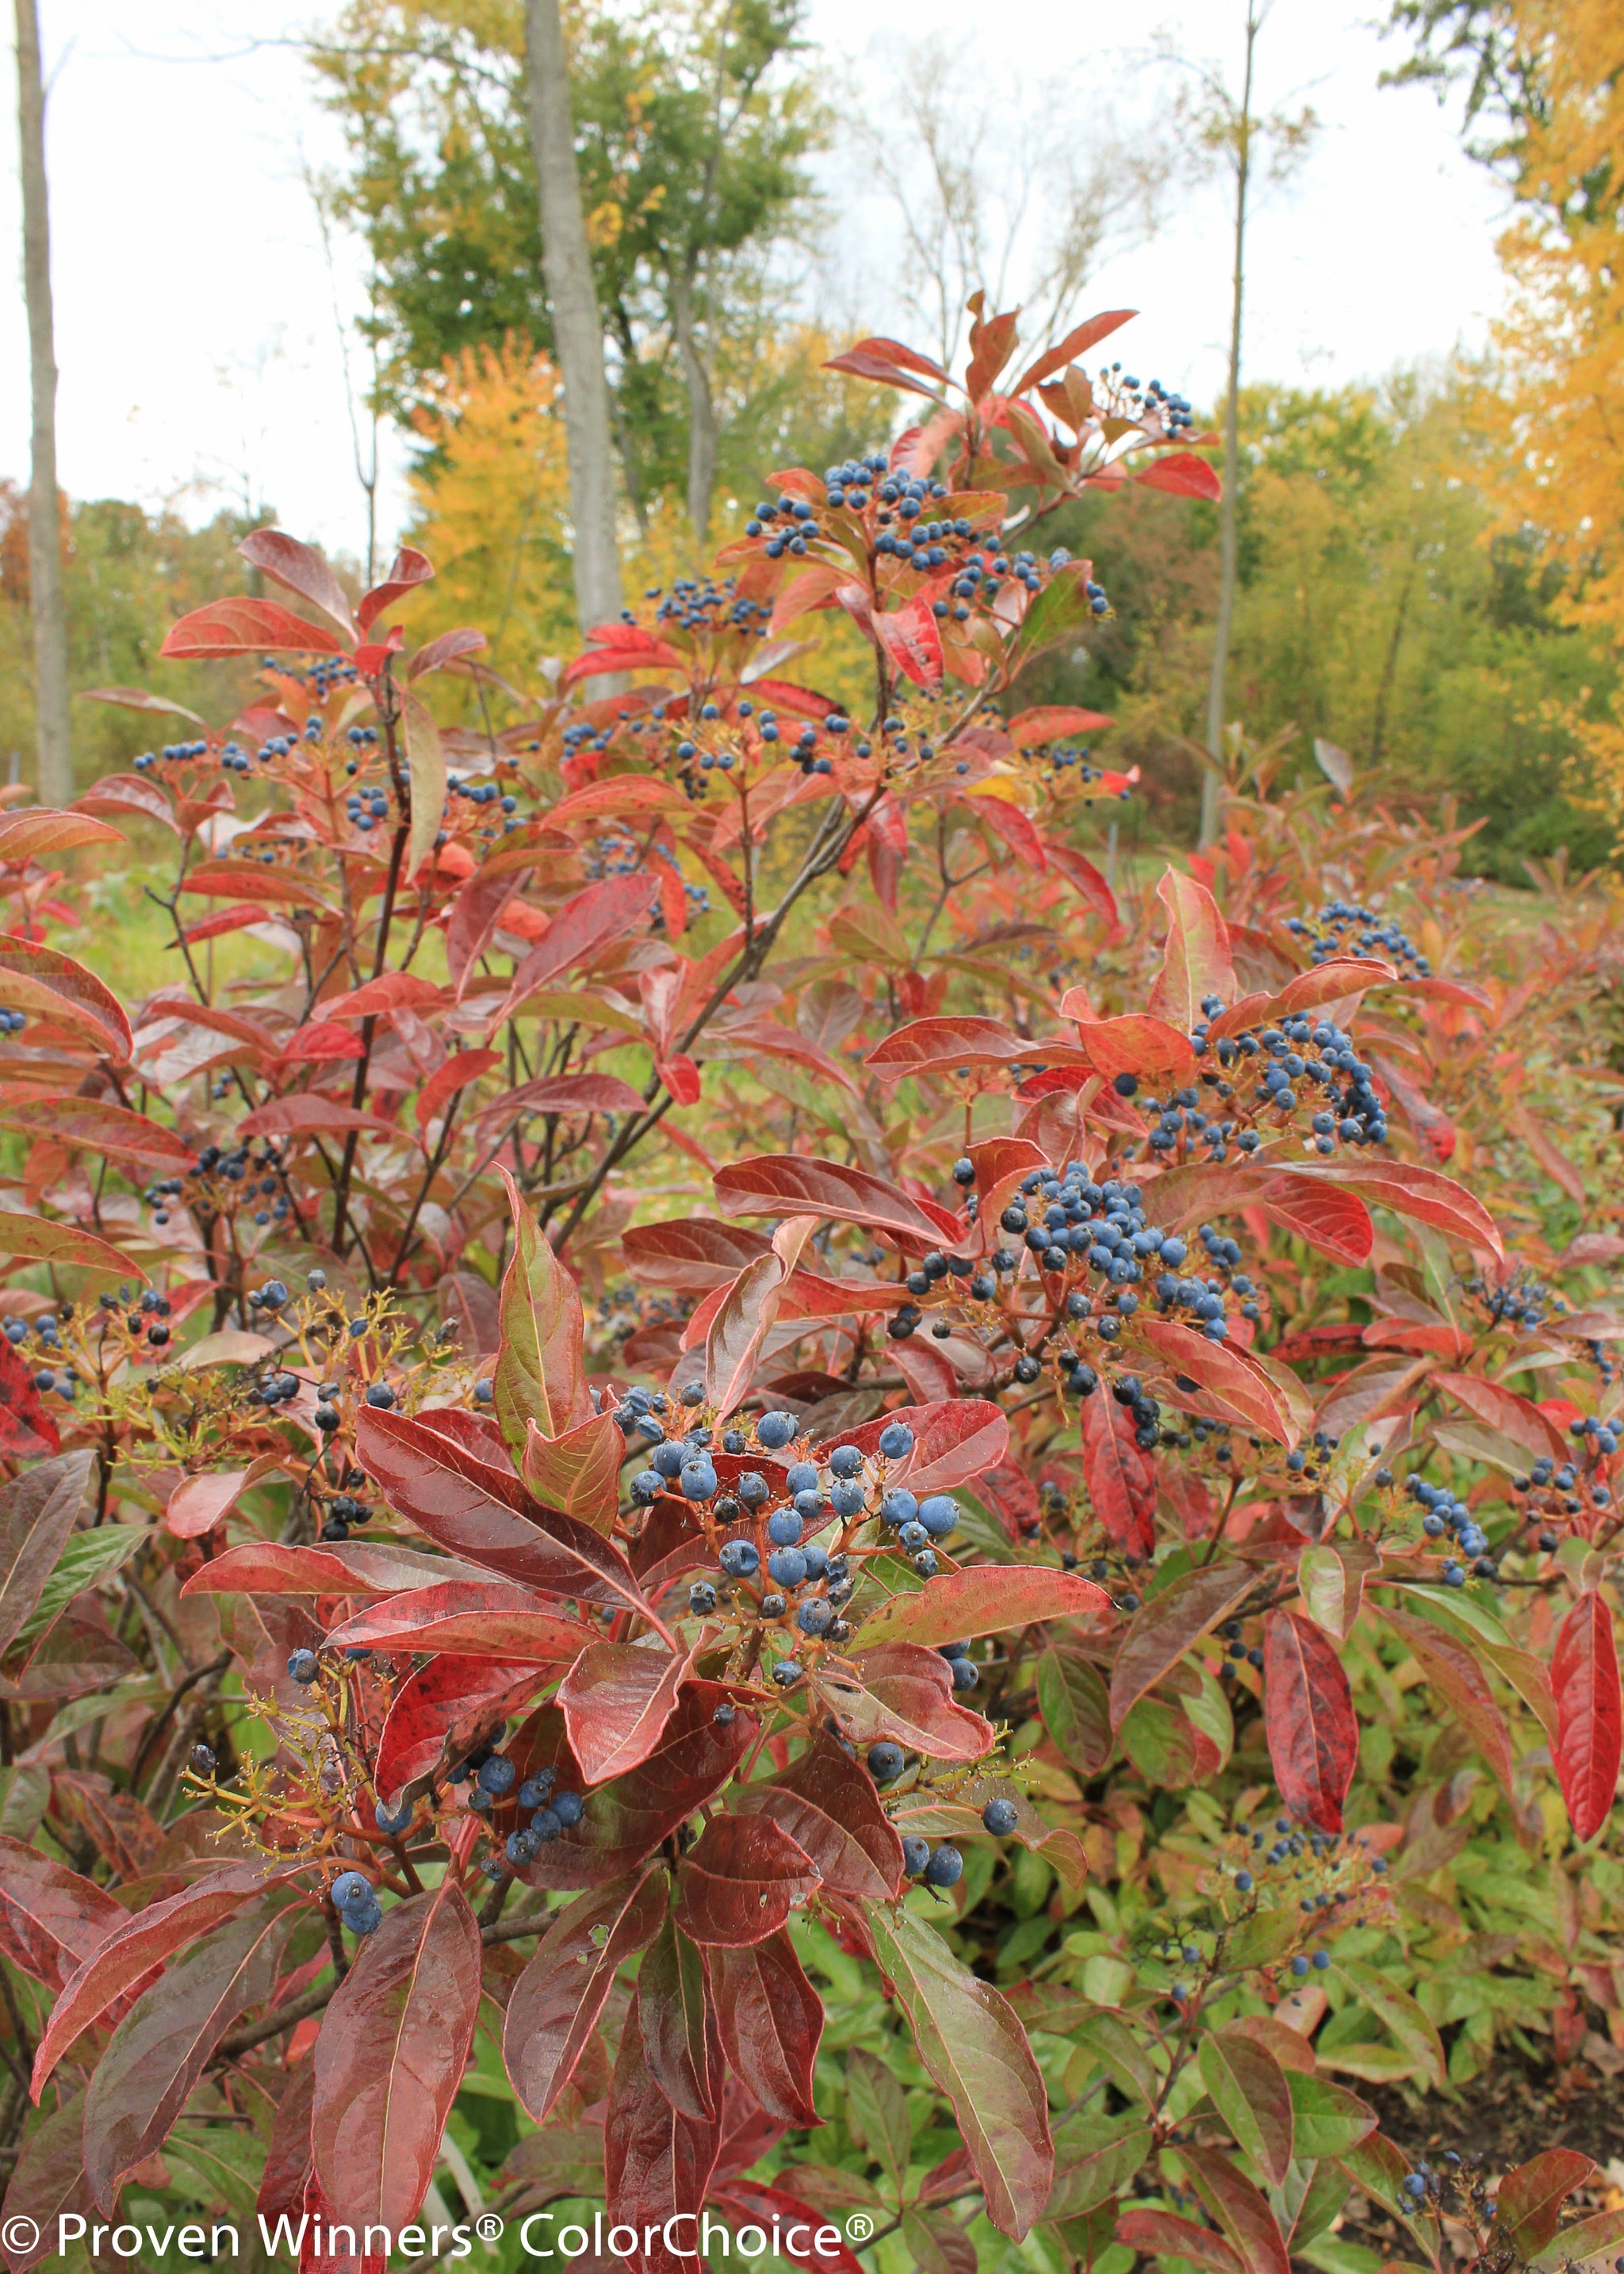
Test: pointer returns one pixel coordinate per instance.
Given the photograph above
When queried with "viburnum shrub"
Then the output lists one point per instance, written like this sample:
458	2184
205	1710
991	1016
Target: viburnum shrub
902	1501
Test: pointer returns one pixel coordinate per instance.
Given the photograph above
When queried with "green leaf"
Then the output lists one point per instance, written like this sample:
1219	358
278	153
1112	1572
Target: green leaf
1251	2092
25	1795
976	2051
1329	2121
1262	1938
1114	2044
1076	1708
876	2112
1096	2157
87	1558
425	767
1397	2011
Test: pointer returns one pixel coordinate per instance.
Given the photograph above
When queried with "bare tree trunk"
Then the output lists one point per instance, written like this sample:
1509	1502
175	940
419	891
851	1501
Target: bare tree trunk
46	595
577	329
1212	784
702	438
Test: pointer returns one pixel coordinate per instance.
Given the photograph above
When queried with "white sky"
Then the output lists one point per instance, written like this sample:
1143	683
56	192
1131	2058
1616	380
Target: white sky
196	336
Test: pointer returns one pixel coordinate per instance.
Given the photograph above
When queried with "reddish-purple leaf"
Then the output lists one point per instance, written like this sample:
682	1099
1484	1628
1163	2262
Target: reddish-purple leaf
793	1183
1516	1418
657	2162
741	1880
690	1254
910	635
1409	1190
1196	960
746	2203
1224	1374
133	1948
1249	2091
975	2049
771	2019
1078	342
1184	473
955	1442
299	569
407	570
678	2031
1309	1719
1453	1671
1240	2208
450	647
904	1692
1119	1475
353	1567
1530	2201
475	1510
1159	1634
51	1919
555	2004
830	1808
593	921
1590	1718
288	2165
479	1618
616	1699
164	2042
47	984
576	1473
48	2183
740	1326
987	1599
540	1374
245	627
441	1710
38	1508
390	2056
1157	2234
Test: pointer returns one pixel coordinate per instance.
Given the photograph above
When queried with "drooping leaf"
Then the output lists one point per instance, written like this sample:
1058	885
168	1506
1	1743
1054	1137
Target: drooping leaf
1163	2233
1076	1706
50	1918
450	1701
976	2051
1529	2201
1309	1718
163	2043
246	626
48	2183
555	2004
1231	1387
789	1184
582	929
1195	962
1240	2208
352	1567
1119	1475
673	2017
43	1239
578	1471
1589	1715
426	772
38	1508
734	1339
657	2160
1453	1671
540	1373
1251	2092
390	2056
477	1618
903	1691
741	1880
771	2019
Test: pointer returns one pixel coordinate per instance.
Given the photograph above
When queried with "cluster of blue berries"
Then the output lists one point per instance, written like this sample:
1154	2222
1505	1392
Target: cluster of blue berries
366	808
1290	1845
703	605
171	754
1343	928
329	671
1103	1229
12	1022
1522	1301
548	1812
61	1377
225	1182
1177	417
1299	1050
1446	1514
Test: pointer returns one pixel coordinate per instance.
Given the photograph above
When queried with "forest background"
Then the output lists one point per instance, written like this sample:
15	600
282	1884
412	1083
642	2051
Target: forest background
1428	570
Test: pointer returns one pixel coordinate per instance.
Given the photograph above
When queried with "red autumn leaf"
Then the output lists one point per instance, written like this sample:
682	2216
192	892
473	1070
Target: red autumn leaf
593	921
1309	1719
743	1315
477	1618
657	2160
26	1428
299	569
48	2183
1410	1190
390	2056
830	1808
1162	2233
132	1950
441	1710
554	2007
1078	342
954	1442
51	1920
1529	2203
909	637
1229	1383
264	1566
616	1699
246	626
1241	2210
288	2166
1334	980
450	648
1086	882
793	1183
1195	962
159	2050
407	570
1516	1418
1165	1628
690	1254
1119	1475
38	1510
1052	722
747	2203
484	1514
1453	1671
987	1599
44	983
1184	473
1018	832
882	360
461	1068
903	1691
1589	1717
26	836
770	2019
540	1372
578	1472
741	1881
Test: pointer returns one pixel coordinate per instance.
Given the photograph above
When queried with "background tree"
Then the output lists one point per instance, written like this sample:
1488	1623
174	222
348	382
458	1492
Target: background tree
50	637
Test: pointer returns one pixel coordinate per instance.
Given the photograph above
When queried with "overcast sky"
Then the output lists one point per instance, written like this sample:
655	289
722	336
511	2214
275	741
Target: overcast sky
196	333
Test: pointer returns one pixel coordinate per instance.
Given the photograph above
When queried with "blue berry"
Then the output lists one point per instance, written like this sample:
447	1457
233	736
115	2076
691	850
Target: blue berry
739	1558
1000	1816
776	1430
302	1666
886	1761
349	1887
944	1869
915	1856
568	1807
784	1528
895	1439
498	1775
391	1823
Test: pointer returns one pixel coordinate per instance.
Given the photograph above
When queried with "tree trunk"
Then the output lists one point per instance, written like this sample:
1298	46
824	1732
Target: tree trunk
1212	780
578	330
702	439
46	596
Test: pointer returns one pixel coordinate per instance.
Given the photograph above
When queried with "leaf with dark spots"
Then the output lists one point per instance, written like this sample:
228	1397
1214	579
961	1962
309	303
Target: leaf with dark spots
829	1806
903	1691
161	2048
555	2004
390	2056
657	2162
616	1699
1309	1719
741	1880
472	1509
50	1918
672	2016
